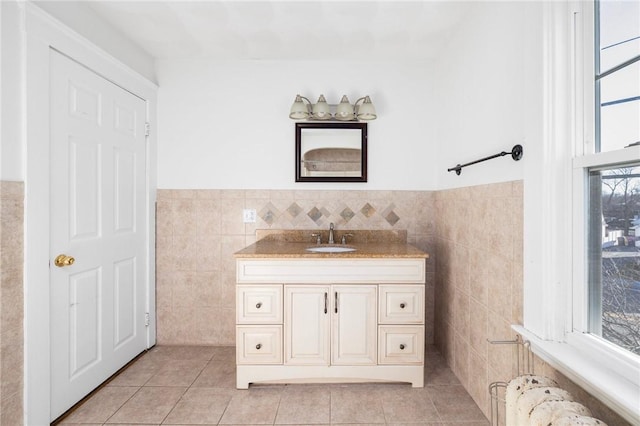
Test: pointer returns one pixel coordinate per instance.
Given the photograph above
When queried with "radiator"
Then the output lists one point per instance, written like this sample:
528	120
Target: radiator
516	387
538	401
531	400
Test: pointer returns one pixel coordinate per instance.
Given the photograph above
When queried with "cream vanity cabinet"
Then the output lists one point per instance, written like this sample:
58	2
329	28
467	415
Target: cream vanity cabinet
330	325
330	320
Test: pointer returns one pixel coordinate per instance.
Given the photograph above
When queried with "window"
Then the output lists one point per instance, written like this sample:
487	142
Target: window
617	69
613	185
614	255
581	307
617	74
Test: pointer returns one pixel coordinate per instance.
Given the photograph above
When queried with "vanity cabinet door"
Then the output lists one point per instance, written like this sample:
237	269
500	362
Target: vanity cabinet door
354	325
307	324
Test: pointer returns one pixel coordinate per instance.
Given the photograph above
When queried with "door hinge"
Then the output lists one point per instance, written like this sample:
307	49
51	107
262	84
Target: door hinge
146	319
147	129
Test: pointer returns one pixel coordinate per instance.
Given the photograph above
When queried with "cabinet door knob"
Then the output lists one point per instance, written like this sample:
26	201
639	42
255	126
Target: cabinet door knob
258	346
259	305
402	305
401	347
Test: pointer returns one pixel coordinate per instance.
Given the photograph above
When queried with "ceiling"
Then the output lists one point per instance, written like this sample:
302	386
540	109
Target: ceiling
286	30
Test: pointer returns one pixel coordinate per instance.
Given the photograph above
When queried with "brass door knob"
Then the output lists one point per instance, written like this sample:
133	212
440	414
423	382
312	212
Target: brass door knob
63	260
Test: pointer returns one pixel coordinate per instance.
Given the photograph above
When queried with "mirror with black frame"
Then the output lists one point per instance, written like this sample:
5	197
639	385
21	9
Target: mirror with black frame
331	152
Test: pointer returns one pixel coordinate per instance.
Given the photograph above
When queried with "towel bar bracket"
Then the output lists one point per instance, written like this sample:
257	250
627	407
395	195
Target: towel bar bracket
516	152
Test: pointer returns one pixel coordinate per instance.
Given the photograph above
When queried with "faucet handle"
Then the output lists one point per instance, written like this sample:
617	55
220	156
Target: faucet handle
344	237
318	238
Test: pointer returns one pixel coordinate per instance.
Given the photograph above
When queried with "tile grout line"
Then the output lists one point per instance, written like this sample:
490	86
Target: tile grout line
122	405
185	390
275	417
175	405
226	405
330	405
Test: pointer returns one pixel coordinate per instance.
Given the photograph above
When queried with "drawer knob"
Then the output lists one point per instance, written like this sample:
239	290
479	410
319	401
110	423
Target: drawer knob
258	346
259	305
402	305
401	346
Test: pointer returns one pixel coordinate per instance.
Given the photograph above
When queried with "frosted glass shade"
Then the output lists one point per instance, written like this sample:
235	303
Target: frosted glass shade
299	110
366	111
344	111
321	109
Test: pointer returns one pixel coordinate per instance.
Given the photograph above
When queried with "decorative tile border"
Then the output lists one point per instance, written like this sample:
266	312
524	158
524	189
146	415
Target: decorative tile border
319	214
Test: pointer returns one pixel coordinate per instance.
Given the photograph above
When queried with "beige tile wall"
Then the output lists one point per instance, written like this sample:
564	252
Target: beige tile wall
199	230
478	289
11	302
479	281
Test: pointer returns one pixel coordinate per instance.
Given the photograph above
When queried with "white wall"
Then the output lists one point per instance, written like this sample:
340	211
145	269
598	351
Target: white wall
85	21
484	77
81	19
225	125
11	101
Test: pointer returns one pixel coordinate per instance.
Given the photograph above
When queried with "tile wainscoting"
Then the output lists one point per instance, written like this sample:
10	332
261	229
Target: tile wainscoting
199	230
11	302
478	289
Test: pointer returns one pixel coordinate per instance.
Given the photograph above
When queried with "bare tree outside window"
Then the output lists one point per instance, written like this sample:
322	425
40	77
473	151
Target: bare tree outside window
617	291
614	190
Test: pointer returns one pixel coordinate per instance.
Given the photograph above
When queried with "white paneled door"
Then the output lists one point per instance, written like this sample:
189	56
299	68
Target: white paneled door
98	230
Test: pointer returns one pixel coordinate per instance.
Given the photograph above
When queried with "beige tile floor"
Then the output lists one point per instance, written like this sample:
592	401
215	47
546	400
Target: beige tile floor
186	385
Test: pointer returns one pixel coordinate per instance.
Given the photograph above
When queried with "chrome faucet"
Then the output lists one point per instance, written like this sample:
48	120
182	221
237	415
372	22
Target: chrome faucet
331	233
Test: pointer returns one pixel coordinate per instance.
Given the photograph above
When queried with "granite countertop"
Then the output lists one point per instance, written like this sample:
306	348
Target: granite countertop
368	244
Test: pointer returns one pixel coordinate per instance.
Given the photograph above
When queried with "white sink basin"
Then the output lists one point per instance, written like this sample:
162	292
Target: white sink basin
330	249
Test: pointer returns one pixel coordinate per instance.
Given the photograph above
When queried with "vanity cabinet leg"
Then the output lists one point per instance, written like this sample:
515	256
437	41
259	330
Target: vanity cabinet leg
241	383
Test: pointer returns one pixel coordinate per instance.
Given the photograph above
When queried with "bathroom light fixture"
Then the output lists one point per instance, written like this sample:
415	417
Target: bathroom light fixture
365	111
321	110
362	109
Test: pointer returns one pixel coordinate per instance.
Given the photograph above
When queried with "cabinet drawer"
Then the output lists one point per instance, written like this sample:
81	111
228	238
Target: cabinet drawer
401	304
260	344
402	344
259	304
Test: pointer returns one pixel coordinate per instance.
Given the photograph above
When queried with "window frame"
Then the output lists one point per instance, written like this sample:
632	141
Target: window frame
555	290
615	357
586	158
